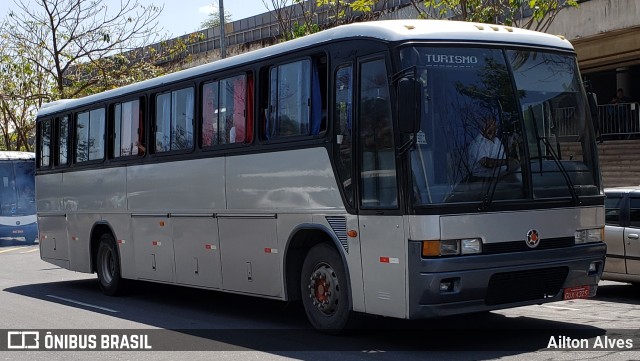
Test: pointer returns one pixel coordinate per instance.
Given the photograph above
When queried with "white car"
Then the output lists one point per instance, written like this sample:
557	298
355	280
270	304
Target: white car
622	234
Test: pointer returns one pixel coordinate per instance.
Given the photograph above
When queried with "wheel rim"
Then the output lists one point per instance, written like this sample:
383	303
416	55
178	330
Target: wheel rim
324	289
108	266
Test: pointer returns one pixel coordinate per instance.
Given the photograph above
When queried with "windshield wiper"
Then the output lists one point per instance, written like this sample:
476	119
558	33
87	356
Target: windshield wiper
554	156
563	170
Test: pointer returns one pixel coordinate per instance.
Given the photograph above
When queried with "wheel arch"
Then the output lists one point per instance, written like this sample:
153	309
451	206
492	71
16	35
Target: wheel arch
301	240
98	229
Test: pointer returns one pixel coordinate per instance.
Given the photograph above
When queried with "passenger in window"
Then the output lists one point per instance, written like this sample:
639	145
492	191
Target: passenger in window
231	136
141	148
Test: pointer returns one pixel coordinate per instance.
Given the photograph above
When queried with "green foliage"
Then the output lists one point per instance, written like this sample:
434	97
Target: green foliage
529	14
213	21
302	30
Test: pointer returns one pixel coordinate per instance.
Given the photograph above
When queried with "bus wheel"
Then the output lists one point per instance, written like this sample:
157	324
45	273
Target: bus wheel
325	292
108	266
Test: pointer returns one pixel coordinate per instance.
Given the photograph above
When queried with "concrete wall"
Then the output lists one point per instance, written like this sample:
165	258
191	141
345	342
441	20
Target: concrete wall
595	17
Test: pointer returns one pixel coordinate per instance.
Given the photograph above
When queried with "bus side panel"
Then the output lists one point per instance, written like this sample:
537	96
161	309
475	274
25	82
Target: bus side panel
294	180
250	255
49	192
95	190
197	251
185	186
153	247
52	221
54	246
79	230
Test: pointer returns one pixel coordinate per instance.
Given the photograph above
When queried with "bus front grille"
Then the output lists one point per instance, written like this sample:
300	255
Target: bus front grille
526	285
521	246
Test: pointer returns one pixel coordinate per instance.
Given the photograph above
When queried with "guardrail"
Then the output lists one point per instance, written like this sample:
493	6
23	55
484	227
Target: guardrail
616	121
619	119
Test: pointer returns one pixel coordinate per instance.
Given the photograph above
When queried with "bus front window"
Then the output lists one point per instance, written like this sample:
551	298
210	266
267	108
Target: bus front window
17	188
495	126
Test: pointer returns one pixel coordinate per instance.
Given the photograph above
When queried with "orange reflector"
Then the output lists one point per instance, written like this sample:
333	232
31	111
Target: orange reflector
430	248
352	233
161	223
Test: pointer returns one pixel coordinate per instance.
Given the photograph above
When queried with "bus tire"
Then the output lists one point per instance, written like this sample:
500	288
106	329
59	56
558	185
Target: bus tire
108	267
325	290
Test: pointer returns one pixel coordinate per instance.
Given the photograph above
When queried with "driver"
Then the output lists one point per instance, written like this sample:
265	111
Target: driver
487	157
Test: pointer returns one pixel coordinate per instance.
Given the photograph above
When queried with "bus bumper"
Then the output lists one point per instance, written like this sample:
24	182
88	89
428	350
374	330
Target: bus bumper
467	284
27	231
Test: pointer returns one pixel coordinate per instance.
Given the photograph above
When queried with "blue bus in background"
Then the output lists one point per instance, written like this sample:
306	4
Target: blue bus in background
17	197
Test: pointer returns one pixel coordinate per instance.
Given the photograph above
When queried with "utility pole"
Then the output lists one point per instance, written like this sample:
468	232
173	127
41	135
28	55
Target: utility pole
223	50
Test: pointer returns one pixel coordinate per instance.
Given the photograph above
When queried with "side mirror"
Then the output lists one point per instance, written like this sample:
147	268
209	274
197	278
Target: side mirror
409	105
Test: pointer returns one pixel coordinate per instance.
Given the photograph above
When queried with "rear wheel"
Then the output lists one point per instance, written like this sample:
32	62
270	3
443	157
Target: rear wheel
108	266
325	291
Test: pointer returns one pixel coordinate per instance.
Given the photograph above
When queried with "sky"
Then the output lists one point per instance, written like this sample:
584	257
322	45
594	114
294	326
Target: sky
180	17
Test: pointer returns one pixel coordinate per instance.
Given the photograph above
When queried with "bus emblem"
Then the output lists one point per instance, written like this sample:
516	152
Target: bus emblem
533	239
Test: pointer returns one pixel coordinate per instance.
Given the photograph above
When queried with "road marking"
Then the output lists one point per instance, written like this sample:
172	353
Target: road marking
82	303
10	249
561	308
30	251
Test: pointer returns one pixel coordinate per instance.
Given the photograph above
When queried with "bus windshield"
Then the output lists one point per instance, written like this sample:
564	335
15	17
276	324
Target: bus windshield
499	125
17	192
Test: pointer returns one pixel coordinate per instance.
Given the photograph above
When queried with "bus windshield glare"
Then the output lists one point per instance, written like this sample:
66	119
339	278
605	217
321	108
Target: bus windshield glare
500	125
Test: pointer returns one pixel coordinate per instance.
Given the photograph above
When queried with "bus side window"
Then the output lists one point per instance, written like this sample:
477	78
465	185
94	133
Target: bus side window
343	114
44	157
174	120
63	140
128	139
226	111
378	174
90	129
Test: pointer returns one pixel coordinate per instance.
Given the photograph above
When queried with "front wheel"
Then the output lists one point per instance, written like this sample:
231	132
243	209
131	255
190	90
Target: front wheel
325	290
108	267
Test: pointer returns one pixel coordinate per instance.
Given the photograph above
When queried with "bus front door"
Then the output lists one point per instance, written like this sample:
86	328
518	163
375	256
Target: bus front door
382	239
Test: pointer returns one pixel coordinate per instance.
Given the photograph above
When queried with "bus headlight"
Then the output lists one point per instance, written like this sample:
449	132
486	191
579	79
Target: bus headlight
471	246
451	247
589	235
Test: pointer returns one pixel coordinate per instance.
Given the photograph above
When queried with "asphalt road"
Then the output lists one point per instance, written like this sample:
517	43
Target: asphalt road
38	296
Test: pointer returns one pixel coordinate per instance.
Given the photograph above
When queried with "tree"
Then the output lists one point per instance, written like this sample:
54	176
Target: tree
52	49
23	88
80	34
303	17
528	14
213	21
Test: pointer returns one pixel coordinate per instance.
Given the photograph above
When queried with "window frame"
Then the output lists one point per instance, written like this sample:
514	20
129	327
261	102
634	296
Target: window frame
75	143
151	147
265	127
248	109
41	124
142	127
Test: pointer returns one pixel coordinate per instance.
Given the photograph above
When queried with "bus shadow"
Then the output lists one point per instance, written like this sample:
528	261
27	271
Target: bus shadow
209	320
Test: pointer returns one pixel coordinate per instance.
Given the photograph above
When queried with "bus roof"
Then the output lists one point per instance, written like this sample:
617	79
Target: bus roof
15	155
385	30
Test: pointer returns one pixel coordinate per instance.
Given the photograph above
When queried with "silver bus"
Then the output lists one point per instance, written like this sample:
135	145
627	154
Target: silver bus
405	168
18	197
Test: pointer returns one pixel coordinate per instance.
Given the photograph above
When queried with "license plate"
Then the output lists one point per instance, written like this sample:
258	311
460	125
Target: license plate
18	231
576	292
